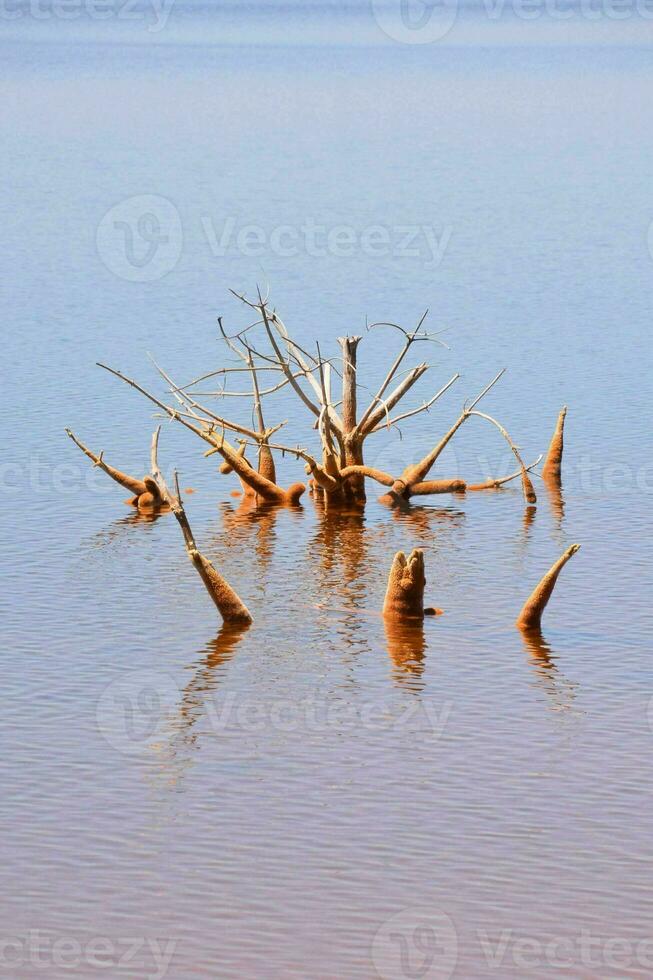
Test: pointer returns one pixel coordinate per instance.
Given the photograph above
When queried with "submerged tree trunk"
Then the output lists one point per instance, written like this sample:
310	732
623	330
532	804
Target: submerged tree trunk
352	441
404	597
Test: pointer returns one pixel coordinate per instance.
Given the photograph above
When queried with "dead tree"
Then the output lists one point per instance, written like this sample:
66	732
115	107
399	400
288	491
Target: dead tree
338	471
342	433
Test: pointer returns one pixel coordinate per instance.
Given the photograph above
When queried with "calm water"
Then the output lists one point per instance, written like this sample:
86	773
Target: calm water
315	797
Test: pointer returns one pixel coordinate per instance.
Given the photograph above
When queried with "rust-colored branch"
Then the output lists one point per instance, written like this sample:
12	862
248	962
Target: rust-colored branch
436	486
130	483
146	493
369	471
552	469
260	484
418	471
530	617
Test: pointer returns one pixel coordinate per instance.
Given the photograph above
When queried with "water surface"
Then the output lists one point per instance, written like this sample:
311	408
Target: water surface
304	782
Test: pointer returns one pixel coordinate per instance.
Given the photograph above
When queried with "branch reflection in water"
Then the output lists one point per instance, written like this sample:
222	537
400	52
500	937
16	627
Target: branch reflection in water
407	646
560	691
209	672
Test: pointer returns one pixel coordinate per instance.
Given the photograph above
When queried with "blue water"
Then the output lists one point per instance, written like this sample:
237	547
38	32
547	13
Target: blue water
306	782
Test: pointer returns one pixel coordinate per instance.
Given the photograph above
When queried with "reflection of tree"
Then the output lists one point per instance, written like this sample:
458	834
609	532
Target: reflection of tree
341	545
556	500
558	688
406	647
250	520
529	516
421	520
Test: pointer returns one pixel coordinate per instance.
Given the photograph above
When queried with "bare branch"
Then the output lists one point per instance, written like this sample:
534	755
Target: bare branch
493	484
130	483
529	491
286	367
415	411
377	415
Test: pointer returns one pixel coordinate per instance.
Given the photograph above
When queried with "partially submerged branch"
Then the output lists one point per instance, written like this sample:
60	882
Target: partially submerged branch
228	602
530	617
416	473
146	493
552	469
263	487
493	484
